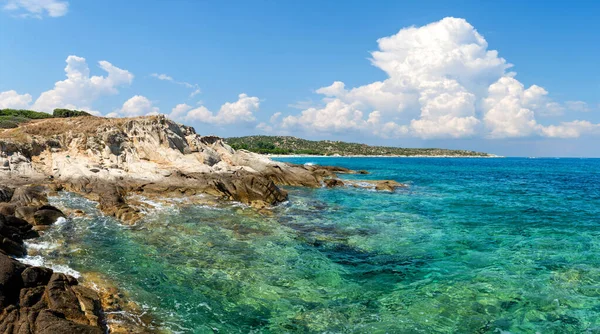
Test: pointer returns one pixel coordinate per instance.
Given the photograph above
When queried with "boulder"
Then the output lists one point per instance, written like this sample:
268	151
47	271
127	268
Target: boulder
52	322
330	183
387	185
10	280
27	213
6	193
47	215
7	209
12	233
36	300
36	276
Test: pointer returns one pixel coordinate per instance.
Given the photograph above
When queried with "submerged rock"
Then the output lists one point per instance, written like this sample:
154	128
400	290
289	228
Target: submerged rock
330	183
379	185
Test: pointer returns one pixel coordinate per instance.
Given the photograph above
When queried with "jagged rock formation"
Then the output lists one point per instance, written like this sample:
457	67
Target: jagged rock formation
106	159
35	299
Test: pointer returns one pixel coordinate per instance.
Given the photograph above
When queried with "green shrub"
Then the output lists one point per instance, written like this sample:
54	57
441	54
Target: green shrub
64	113
28	114
9	122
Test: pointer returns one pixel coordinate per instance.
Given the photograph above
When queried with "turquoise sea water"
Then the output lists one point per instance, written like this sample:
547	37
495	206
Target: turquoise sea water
472	246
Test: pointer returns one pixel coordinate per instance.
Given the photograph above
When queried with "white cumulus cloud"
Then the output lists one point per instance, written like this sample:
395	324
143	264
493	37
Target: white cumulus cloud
38	8
443	82
12	99
138	106
79	90
241	111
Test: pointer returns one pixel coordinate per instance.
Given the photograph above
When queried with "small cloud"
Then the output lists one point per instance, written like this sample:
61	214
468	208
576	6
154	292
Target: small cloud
302	105
166	77
162	76
196	92
37	8
577	106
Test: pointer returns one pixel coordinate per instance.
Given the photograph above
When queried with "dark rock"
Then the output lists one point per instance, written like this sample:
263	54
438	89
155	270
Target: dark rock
12	232
29	297
52	322
13	247
362	172
330	183
6	193
7	209
49	207
10	280
35	276
47	216
36	300
31	234
19	223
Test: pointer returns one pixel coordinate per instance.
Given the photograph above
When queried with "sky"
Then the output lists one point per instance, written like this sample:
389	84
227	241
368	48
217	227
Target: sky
514	78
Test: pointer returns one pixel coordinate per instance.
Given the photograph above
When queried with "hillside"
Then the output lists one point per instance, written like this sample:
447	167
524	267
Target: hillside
11	118
291	145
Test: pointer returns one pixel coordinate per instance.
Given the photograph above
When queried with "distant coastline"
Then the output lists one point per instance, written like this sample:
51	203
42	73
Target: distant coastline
378	156
293	146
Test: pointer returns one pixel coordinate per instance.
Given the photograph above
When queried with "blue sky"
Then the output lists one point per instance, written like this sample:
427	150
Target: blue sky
307	68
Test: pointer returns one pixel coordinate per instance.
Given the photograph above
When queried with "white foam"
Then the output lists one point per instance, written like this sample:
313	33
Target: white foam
60	221
38	261
40	245
309	164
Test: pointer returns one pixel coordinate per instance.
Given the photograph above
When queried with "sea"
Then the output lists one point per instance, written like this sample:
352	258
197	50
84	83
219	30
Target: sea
472	245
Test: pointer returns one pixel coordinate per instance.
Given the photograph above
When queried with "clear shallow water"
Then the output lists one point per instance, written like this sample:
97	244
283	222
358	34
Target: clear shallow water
472	246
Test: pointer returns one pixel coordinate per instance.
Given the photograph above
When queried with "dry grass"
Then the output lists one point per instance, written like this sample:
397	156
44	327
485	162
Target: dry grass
57	126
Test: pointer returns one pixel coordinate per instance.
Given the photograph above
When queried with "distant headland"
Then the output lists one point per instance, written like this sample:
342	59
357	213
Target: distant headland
292	146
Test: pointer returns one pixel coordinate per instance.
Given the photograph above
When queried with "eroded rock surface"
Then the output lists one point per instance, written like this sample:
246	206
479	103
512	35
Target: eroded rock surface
37	300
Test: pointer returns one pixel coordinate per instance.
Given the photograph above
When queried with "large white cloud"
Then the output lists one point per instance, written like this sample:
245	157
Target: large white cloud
443	82
241	111
79	90
38	8
508	110
14	100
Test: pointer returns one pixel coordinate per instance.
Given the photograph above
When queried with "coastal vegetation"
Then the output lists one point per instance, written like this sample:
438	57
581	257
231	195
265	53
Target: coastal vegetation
11	118
64	113
285	145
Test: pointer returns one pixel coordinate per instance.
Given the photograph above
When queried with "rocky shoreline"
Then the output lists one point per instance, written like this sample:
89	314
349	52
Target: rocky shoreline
36	299
110	161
